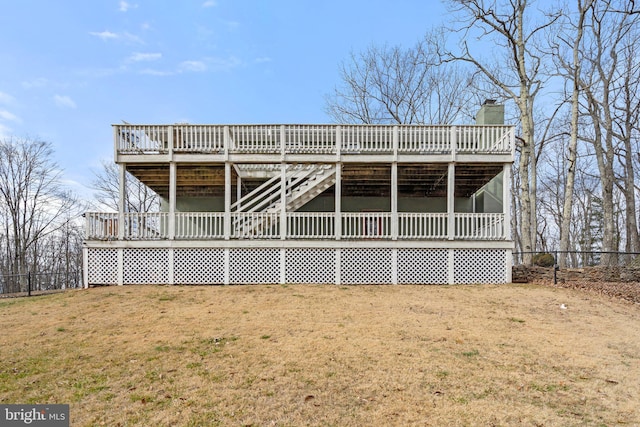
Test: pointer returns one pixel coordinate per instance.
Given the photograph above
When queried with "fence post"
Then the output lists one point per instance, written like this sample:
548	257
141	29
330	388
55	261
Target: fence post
29	283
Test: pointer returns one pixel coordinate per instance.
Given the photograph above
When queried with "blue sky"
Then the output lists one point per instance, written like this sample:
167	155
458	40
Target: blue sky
70	69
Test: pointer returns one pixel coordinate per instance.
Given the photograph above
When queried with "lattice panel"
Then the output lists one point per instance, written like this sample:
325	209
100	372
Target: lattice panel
146	266
310	265
254	266
479	266
423	266
198	266
103	266
365	266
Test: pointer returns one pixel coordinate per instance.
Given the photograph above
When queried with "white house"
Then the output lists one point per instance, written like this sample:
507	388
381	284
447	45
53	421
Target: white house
343	204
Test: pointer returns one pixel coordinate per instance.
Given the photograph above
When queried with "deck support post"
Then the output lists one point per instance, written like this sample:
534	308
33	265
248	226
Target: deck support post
171	267
394	266
506	200
394	201
227	200
394	186
122	189
120	258
172	200
506	206
283	201
451	267
338	261
338	202
283	266
85	267
451	198
227	266
338	186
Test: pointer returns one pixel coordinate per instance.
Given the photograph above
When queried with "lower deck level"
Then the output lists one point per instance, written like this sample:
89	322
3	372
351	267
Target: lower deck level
346	265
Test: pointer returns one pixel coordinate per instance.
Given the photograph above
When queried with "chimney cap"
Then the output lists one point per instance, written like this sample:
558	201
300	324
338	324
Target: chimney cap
489	102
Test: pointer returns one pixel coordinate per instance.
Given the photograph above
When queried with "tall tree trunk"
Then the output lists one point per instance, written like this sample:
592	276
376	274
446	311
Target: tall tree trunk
575	67
517	79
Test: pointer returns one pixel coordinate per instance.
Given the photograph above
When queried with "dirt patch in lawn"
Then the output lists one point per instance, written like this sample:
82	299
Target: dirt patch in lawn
325	355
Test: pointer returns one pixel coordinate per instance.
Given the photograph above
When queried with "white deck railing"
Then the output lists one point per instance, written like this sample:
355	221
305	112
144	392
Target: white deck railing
198	138
101	226
255	225
366	225
314	139
423	225
311	225
299	225
479	226
145	226
199	225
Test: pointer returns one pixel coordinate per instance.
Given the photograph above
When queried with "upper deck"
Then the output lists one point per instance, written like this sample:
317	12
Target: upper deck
313	143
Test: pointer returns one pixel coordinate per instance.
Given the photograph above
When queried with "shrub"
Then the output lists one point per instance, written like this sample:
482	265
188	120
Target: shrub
544	260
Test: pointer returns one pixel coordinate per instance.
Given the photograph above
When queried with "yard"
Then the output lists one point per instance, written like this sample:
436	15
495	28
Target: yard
325	355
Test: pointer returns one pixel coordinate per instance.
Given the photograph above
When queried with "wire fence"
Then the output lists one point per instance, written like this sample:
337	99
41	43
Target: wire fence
578	259
36	283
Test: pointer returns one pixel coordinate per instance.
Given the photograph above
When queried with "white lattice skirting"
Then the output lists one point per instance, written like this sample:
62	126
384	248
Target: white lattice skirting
201	266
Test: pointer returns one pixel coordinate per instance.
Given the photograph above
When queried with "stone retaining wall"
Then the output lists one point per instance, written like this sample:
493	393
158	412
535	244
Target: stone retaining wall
525	274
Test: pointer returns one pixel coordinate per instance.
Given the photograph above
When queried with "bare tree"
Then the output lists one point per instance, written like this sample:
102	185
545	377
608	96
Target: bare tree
137	198
397	85
627	113
516	73
610	22
34	203
568	36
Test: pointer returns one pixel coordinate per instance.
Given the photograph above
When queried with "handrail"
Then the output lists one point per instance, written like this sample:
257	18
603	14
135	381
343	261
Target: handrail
242	202
479	226
313	139
258	199
299	225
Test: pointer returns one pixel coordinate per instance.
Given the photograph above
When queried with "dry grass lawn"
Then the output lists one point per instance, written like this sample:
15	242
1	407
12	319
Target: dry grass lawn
325	355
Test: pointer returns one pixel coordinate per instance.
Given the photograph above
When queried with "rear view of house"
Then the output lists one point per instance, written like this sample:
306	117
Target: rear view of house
343	204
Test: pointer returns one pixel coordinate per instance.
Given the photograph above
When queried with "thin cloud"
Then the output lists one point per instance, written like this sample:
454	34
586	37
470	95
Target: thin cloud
63	101
210	3
142	57
263	59
132	38
10	117
231	25
5	98
104	35
125	6
5	131
109	35
35	83
159	73
223	64
195	66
